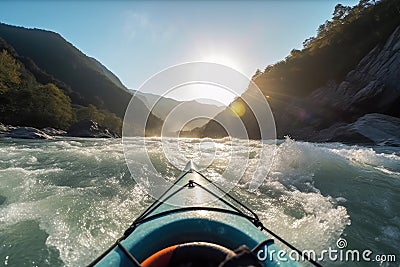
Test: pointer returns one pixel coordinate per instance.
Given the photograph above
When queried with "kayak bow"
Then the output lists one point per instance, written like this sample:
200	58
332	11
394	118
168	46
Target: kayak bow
194	220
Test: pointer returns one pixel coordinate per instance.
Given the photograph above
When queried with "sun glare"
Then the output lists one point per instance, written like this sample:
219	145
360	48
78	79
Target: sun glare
205	93
223	60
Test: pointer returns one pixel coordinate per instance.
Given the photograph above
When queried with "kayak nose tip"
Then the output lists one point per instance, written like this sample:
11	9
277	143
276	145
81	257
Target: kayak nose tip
190	166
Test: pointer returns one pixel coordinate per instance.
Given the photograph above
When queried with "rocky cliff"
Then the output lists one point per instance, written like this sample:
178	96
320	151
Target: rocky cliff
331	112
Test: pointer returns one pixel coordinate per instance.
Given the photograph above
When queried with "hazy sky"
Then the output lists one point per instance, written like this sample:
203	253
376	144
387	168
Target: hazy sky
136	39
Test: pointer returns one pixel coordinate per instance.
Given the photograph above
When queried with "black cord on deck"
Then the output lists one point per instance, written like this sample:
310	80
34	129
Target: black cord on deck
307	257
128	254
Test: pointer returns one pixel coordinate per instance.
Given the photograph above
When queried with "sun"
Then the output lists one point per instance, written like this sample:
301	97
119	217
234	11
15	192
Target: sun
204	93
223	59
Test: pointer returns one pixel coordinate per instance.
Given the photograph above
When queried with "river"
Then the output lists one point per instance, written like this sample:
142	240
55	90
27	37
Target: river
64	201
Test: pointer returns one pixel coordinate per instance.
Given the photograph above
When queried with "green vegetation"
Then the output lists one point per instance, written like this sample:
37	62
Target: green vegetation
338	47
40	58
26	102
40	106
9	72
103	117
61	61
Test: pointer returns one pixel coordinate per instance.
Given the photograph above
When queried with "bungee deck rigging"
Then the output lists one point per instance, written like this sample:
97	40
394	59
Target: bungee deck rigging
228	224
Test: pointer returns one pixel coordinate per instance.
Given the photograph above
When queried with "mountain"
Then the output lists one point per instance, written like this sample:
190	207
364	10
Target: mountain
350	69
111	76
163	107
368	98
95	92
25	101
63	61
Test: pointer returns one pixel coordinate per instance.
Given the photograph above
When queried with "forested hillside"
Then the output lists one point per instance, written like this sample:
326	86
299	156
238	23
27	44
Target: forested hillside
46	81
340	44
24	101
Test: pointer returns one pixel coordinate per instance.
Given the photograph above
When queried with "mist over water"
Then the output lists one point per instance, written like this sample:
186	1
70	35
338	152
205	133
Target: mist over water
63	202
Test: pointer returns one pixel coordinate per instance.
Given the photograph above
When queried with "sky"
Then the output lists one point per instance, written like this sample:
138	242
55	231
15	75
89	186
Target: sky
137	39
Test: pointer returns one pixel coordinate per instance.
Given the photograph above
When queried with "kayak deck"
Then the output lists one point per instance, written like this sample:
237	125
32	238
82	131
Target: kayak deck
192	210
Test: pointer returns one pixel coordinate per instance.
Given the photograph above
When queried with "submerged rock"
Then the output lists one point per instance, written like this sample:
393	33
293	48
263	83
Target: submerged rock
3	199
3	128
377	129
53	132
28	133
90	129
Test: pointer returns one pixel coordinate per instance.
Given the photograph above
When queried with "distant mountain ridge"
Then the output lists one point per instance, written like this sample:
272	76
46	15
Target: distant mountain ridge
163	106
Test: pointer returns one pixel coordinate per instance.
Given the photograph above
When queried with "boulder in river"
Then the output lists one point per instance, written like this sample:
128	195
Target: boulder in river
374	128
3	128
90	129
28	133
53	132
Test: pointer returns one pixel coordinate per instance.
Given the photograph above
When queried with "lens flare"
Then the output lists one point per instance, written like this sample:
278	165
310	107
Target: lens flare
238	108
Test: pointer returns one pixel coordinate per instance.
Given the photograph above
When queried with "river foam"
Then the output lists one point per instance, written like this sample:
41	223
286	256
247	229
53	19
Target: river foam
78	194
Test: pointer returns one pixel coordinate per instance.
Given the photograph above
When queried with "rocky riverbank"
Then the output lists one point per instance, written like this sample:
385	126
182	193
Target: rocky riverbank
88	129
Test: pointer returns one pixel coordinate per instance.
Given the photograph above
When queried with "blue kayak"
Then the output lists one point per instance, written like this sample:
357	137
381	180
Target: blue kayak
195	223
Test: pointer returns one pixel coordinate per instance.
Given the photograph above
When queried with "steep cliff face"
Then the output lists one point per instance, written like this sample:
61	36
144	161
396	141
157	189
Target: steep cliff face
372	87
